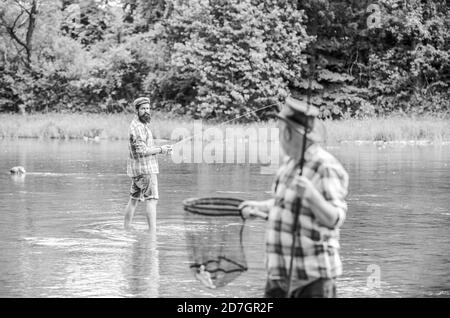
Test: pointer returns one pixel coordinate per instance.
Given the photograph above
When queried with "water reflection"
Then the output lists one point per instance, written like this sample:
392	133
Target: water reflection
18	178
141	270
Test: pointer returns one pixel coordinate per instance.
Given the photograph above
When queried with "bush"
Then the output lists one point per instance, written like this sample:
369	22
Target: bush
411	72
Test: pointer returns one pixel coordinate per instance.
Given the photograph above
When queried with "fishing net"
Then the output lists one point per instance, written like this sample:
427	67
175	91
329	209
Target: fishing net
214	243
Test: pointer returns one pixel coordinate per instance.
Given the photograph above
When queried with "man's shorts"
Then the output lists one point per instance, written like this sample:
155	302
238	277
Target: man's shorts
144	187
319	288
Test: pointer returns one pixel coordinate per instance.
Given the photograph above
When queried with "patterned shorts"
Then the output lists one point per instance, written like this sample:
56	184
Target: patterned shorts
144	187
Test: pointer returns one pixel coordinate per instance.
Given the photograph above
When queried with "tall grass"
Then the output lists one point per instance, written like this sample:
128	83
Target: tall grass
432	129
78	126
115	126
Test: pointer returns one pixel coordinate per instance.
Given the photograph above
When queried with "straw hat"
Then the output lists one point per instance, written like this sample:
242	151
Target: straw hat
298	115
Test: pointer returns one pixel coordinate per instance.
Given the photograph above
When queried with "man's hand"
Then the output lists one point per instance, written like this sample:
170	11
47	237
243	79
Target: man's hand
326	213
166	149
253	209
306	190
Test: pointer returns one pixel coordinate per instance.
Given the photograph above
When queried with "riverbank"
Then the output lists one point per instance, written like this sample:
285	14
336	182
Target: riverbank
426	130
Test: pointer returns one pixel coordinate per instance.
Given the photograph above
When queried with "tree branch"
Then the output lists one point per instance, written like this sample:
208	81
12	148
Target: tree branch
17	19
19	50
22	7
15	37
11	29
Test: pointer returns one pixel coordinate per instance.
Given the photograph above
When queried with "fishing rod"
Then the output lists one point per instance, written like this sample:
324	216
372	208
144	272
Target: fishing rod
298	201
221	124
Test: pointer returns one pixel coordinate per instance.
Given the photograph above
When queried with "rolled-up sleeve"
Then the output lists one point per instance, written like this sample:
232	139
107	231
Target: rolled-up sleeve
335	190
138	142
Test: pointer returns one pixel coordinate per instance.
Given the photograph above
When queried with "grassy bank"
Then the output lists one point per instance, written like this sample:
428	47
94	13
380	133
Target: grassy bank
115	127
429	129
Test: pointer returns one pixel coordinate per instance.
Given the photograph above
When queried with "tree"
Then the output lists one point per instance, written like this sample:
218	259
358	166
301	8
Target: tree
239	55
18	17
89	21
375	57
338	56
145	13
410	71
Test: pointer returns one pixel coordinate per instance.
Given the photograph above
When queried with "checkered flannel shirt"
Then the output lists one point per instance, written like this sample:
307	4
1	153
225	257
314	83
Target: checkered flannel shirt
317	247
140	140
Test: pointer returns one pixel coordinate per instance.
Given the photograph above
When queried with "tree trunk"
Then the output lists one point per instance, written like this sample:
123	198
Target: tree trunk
31	26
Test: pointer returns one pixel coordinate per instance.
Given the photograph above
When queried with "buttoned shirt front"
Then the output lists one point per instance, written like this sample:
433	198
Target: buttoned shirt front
140	140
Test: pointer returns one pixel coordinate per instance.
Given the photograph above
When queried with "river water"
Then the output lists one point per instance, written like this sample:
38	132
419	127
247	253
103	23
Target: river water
61	225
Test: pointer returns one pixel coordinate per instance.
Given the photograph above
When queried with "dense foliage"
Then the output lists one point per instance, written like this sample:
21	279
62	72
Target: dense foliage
225	58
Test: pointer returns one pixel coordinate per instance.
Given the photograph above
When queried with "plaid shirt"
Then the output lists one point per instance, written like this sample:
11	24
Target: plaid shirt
141	139
316	246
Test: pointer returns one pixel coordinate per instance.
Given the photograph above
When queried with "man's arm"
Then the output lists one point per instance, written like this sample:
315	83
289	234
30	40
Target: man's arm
263	206
327	214
156	150
330	208
142	150
153	151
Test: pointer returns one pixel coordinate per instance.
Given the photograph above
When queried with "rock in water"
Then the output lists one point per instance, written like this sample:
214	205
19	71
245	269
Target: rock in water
17	170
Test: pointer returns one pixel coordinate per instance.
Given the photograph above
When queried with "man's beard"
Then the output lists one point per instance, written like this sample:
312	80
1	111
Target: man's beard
145	118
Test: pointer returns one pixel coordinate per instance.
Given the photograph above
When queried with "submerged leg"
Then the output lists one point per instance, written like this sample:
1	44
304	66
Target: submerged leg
129	212
150	210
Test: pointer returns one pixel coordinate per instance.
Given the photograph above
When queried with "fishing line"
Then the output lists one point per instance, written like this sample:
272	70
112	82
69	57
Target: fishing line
250	112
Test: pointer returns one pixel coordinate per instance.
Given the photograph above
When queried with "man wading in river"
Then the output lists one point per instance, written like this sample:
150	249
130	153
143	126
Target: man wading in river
317	197
142	165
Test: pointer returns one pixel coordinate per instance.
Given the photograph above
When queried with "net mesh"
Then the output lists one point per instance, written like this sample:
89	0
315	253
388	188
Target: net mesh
215	248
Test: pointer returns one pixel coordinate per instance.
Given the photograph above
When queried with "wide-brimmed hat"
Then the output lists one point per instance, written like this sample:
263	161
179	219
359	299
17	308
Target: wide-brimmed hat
300	115
140	101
